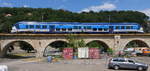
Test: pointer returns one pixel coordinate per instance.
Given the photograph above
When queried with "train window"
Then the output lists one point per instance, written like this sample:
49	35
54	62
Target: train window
122	27
38	26
105	29
79	27
57	29
63	29
99	29
17	26
85	27
131	27
70	29
117	27
75	27
27	26
94	29
88	27
31	26
44	26
128	27
51	27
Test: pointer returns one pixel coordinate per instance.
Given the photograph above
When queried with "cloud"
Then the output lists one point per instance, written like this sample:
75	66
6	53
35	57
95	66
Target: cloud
6	4
105	6
61	7
146	11
25	6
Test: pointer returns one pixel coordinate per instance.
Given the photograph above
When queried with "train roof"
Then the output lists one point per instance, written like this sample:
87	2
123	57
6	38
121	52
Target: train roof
75	23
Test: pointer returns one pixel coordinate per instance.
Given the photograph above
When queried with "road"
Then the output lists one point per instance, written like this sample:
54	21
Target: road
64	65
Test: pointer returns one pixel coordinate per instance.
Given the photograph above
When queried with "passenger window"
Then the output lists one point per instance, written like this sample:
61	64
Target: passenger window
57	29
131	27
75	27
79	27
122	27
131	61
117	27
99	29
70	29
121	60
31	26
127	27
51	27
85	27
115	60
88	27
27	26
44	26
38	26
63	29
94	29
105	29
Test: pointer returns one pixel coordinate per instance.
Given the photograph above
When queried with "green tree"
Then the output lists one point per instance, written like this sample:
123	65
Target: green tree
75	42
81	43
94	45
10	16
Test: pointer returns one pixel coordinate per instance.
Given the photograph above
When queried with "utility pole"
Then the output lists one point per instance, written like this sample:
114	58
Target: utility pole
42	17
109	17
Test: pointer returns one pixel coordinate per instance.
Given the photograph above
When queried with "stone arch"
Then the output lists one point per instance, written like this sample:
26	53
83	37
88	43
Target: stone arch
136	42
105	46
7	44
55	45
47	42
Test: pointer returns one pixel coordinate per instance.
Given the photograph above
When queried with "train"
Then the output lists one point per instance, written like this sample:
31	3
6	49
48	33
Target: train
75	27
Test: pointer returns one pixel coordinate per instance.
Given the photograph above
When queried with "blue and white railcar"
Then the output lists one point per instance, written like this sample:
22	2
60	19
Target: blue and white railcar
127	28
72	27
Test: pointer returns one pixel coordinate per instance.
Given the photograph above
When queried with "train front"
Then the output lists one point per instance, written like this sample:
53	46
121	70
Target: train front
14	29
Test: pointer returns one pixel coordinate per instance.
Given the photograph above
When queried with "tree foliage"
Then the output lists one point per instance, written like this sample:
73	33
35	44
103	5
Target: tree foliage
94	44
75	42
9	16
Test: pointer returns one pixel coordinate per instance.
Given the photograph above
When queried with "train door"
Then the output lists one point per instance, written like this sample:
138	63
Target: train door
111	29
51	28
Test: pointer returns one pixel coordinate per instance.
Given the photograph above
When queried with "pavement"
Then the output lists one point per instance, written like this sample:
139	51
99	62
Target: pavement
63	65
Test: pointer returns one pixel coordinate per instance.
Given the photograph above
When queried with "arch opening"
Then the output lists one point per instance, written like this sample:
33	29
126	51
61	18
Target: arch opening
137	47
18	49
98	44
55	48
136	44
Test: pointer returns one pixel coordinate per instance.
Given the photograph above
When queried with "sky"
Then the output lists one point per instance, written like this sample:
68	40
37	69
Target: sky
82	5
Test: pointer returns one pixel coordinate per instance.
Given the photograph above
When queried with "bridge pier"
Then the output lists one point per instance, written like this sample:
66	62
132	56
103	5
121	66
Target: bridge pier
39	53
39	47
117	44
2	53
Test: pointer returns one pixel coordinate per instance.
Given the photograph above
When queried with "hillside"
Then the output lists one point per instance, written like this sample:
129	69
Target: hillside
9	16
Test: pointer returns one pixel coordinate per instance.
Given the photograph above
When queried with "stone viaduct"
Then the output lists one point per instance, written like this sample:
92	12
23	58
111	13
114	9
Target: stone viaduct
41	41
